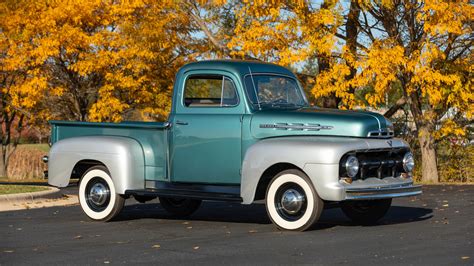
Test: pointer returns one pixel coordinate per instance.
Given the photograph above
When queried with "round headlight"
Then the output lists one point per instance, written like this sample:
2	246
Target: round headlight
352	166
408	162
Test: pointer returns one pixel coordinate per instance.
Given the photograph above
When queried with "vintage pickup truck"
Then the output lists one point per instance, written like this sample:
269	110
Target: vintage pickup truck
238	131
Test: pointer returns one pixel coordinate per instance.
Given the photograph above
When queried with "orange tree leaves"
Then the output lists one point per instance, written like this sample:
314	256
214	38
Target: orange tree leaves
105	58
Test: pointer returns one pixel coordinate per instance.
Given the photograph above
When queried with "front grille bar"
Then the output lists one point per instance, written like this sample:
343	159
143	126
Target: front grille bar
381	166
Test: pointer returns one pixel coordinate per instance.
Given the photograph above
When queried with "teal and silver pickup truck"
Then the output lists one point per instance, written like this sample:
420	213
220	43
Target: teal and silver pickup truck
238	131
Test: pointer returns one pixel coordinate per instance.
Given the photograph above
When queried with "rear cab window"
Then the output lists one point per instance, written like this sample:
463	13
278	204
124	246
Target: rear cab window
210	91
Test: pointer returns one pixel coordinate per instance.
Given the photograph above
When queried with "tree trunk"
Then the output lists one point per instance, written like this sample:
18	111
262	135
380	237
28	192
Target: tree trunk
3	164
352	33
429	167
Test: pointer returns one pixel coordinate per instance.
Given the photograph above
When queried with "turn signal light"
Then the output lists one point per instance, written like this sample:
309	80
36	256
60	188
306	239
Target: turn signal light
348	180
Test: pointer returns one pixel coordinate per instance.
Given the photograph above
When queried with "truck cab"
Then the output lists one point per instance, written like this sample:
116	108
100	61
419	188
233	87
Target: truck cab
238	131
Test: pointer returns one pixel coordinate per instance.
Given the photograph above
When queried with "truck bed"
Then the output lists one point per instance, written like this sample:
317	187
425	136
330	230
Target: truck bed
153	137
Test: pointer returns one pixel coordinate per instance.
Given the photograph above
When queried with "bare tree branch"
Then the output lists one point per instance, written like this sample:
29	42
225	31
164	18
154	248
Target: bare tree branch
397	106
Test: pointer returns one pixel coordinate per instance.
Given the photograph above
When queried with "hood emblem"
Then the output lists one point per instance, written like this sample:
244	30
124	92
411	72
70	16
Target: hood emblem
390	143
296	126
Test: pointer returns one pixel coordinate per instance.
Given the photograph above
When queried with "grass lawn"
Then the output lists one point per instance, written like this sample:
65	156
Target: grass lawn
41	147
28	180
12	189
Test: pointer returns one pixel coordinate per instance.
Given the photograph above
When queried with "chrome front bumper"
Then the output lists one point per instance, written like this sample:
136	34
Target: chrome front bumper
382	192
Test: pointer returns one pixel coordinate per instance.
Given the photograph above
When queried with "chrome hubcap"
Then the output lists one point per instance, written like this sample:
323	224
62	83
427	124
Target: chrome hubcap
292	201
98	194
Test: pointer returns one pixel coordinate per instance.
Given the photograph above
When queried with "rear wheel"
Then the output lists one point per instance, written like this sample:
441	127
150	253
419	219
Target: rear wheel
292	202
97	195
180	207
366	212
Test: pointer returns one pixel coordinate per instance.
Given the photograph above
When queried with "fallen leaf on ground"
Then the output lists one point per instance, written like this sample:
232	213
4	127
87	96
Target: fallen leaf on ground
196	247
253	231
8	251
156	246
446	205
78	237
189	227
465	257
106	262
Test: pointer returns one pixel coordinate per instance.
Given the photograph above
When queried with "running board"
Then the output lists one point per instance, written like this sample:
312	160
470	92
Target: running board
189	191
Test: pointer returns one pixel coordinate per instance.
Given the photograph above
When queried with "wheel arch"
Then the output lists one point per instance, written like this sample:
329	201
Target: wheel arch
82	166
265	159
269	174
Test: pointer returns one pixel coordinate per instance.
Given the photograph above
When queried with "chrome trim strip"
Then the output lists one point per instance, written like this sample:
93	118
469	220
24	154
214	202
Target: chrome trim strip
383	192
384	196
296	126
380	134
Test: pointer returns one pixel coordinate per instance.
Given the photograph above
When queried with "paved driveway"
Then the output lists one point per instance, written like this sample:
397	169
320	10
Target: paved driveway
436	228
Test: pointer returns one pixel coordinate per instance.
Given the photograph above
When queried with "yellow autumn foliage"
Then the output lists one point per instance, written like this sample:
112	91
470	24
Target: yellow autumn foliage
121	53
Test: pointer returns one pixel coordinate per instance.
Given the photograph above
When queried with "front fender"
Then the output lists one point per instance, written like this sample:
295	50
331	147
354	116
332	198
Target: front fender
123	157
318	157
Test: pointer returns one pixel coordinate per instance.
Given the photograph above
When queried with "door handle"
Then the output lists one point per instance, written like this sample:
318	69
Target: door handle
178	122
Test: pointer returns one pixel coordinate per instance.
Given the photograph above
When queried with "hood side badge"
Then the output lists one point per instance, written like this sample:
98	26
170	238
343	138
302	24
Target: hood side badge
296	126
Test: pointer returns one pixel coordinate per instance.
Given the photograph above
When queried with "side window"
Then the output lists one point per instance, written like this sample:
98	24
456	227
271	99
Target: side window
210	91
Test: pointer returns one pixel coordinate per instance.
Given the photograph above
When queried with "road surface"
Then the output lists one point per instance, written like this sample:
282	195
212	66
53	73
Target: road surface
434	229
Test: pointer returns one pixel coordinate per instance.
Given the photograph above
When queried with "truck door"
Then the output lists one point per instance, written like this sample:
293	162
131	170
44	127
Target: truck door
206	132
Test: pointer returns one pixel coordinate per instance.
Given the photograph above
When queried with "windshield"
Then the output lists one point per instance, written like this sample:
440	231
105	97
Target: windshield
271	91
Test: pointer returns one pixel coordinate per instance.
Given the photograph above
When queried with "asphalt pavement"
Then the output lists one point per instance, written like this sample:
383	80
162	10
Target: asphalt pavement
436	228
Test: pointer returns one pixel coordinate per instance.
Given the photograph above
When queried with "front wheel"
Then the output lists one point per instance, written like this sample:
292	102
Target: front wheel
292	202
366	212
97	195
180	207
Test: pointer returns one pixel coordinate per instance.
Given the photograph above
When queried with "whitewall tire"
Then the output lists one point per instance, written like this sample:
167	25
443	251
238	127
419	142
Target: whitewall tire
97	195
292	202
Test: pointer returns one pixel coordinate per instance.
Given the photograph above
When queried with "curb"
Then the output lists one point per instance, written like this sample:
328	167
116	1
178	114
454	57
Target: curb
51	193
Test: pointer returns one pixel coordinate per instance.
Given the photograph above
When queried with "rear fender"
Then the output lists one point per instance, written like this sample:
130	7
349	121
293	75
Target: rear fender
123	157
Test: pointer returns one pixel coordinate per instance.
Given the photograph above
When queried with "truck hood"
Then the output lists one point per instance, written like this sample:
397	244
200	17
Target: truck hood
316	121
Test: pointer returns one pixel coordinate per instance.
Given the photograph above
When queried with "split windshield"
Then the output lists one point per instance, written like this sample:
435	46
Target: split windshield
273	91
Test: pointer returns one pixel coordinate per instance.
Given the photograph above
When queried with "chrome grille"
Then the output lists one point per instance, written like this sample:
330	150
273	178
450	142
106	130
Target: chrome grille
377	163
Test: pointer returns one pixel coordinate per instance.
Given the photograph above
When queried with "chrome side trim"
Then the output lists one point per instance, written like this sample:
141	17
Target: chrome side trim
383	192
382	133
296	126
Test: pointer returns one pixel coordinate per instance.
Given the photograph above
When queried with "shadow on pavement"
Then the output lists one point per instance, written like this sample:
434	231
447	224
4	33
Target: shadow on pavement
256	214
